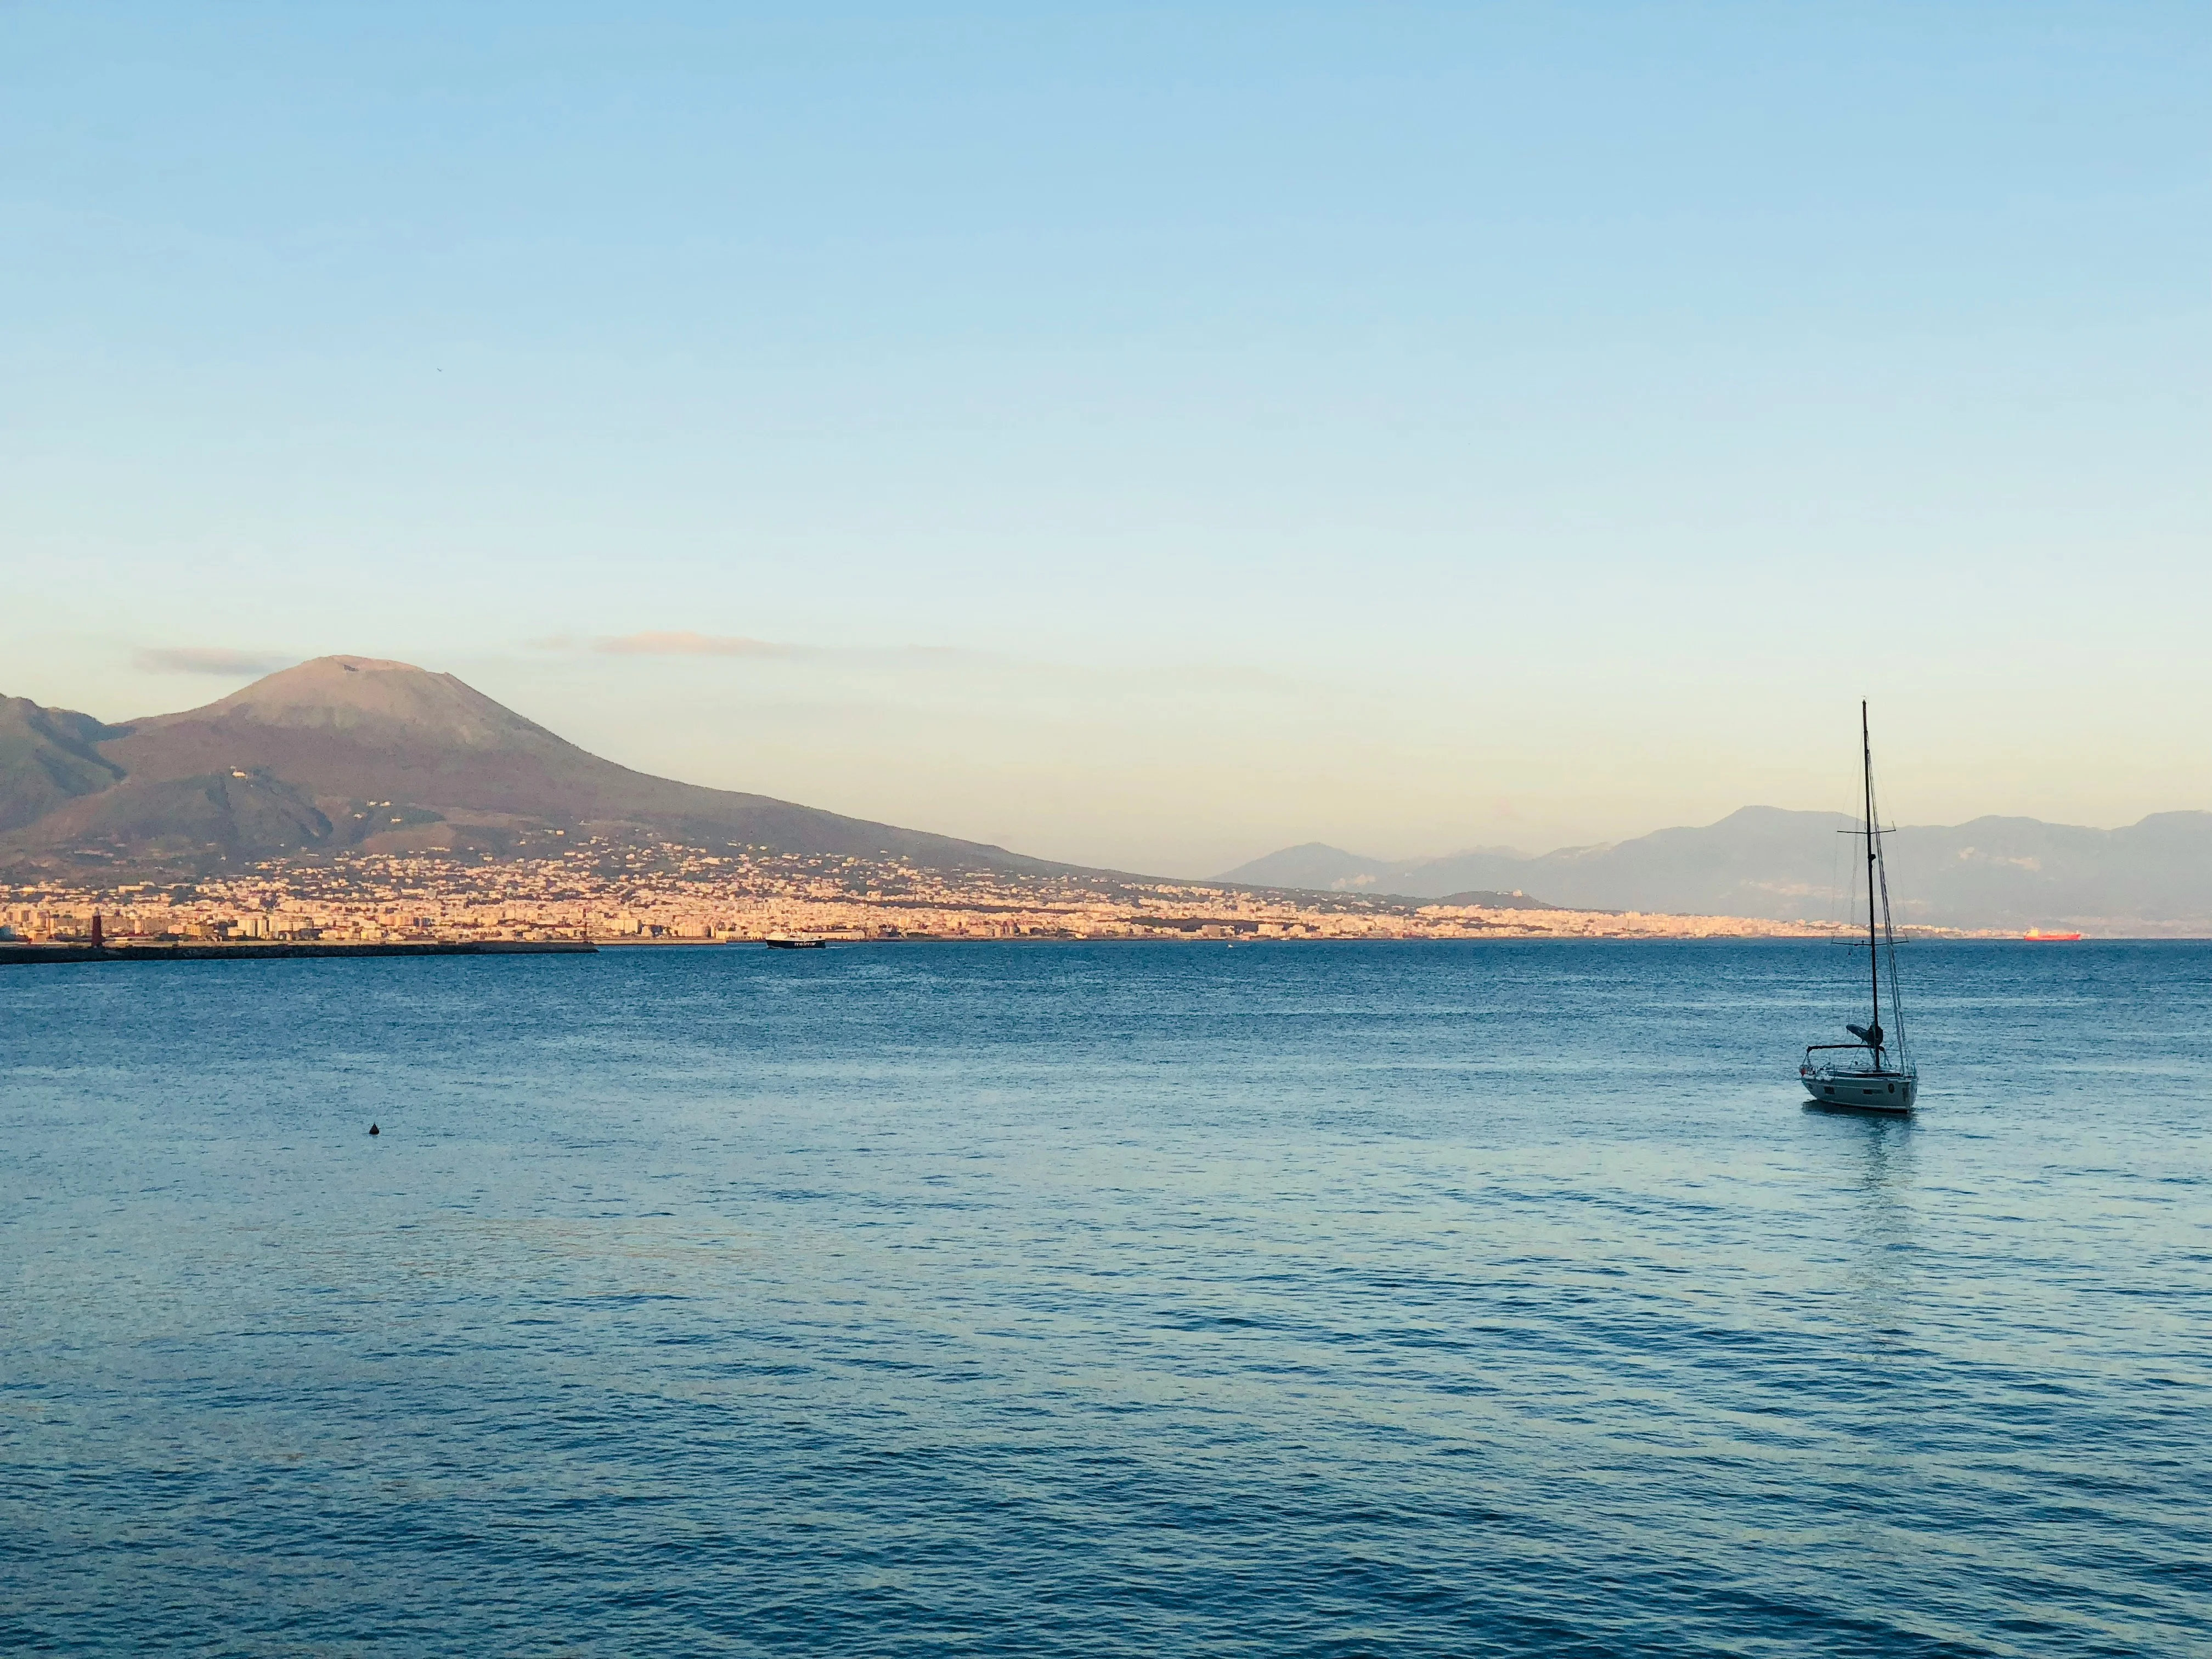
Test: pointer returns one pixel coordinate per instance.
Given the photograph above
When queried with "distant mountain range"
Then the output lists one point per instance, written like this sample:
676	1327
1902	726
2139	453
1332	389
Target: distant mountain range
357	752
1764	861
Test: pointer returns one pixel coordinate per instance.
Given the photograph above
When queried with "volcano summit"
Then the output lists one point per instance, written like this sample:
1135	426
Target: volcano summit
346	752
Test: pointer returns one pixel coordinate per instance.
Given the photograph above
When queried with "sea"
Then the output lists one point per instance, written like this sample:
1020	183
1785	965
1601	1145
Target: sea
1087	1298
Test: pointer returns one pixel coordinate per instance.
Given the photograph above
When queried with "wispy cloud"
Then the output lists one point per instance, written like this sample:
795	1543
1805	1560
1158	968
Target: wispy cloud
682	642
938	658
685	643
210	660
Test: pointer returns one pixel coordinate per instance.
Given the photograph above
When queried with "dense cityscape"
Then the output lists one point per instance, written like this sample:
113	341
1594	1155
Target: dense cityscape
610	892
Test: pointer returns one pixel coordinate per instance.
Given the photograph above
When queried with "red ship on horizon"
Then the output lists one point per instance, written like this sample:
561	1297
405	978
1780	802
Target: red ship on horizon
2041	937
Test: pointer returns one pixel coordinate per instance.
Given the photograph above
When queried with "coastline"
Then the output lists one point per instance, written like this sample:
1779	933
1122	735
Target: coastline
27	955
20	954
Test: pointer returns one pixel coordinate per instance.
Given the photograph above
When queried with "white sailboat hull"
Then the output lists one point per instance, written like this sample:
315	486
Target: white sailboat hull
1863	1091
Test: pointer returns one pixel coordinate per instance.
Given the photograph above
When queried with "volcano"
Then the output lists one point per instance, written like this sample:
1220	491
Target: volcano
359	753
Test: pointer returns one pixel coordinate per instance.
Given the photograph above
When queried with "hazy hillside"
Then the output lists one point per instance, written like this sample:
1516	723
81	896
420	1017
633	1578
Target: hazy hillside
1486	898
1764	861
47	757
355	751
1324	868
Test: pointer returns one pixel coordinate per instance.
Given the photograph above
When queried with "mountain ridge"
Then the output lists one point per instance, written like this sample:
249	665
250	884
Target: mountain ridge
363	751
48	756
1784	865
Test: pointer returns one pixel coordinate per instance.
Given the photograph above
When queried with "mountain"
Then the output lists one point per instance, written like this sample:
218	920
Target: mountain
355	751
1483	898
47	756
1317	866
1764	861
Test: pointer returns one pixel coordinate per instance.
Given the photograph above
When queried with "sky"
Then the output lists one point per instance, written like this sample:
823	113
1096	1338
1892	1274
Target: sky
1142	436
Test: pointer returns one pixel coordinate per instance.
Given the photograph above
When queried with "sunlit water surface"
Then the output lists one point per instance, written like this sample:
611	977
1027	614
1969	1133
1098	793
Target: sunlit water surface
944	1299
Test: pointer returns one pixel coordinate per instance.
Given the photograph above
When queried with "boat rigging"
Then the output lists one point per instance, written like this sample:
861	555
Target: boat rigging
1877	1073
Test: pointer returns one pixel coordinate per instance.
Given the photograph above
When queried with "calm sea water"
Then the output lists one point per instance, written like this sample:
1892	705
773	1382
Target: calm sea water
943	1299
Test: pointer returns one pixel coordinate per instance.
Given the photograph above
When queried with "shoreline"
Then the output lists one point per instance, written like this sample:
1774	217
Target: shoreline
25	954
28	954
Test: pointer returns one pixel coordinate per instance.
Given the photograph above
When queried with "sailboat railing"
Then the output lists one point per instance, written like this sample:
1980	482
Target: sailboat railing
1885	1062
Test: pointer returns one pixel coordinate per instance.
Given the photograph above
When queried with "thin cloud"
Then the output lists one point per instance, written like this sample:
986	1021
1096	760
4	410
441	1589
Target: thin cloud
951	658
685	643
210	660
672	644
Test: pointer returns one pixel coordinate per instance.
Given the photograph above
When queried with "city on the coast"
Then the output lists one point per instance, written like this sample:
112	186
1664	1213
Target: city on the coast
359	799
608	893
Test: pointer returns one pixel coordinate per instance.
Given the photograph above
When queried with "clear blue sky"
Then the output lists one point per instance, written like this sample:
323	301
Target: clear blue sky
1155	435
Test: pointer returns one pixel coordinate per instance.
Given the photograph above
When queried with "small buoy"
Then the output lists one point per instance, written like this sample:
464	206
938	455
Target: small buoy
374	1130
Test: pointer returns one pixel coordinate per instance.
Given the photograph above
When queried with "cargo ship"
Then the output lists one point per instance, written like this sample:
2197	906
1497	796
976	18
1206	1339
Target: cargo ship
2037	936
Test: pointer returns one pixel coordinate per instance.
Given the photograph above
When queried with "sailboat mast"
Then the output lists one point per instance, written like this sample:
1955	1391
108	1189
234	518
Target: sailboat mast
1874	948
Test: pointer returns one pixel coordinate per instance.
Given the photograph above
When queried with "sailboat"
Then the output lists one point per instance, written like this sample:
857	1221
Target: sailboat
1875	1072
